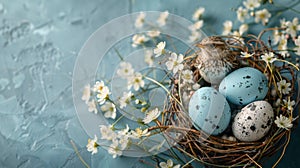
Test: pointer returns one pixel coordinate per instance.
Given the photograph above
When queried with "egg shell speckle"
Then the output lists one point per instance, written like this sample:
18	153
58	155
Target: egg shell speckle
253	122
244	86
209	111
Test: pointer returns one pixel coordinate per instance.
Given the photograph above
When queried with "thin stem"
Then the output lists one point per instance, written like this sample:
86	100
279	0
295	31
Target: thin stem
284	149
119	55
253	161
268	29
206	163
179	88
289	63
189	57
120	110
79	156
262	152
159	84
117	121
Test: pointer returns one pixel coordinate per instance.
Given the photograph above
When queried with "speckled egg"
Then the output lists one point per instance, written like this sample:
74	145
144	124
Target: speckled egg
244	86
209	111
253	122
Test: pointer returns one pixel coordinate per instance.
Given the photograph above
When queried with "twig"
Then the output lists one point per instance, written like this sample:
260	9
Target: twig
284	149
188	163
119	55
253	161
266	30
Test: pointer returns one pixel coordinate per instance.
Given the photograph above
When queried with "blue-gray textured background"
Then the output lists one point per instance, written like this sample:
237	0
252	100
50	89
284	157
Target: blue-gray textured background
39	43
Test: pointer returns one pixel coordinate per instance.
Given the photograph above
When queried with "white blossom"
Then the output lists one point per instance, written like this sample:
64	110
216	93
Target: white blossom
149	57
107	132
196	26
136	81
151	115
125	71
284	87
277	103
268	57
86	93
237	35
243	28
123	142
114	149
187	76
138	39
185	96
137	101
109	110
293	27
289	104
227	27
283	23
124	131
282	47
102	92
262	16
277	35
160	49
162	19
251	4
242	14
92	106
125	99
198	13
101	97
274	92
195	86
139	22
246	54
297	43
153	33
168	164
175	62
92	145
138	133
283	122
195	36
98	86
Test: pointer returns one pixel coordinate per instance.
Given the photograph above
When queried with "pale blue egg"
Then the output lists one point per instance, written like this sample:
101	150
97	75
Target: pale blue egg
209	111
244	86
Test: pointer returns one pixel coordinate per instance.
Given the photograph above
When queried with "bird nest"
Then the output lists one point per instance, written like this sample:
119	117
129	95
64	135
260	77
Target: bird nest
221	151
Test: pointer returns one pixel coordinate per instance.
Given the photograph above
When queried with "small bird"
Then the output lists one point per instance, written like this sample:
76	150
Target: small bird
214	59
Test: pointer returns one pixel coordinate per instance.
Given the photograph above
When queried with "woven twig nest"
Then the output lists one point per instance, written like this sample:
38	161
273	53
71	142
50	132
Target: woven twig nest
217	151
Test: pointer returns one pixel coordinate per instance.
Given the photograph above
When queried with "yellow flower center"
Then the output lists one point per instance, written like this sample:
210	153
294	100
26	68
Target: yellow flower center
262	15
187	76
139	132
